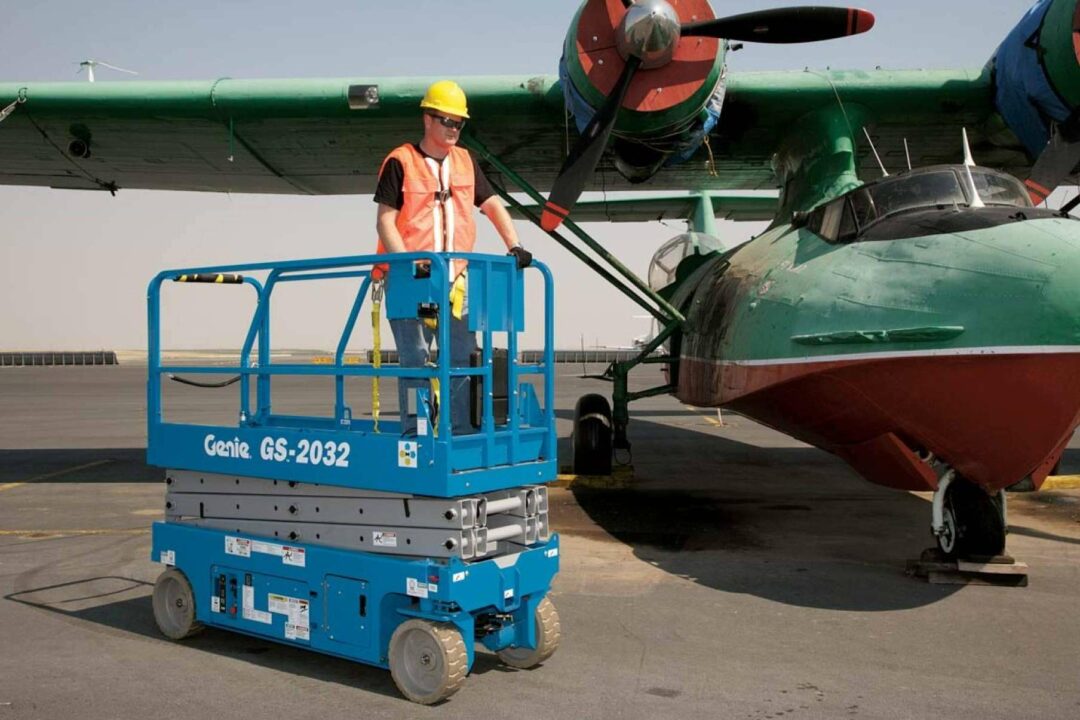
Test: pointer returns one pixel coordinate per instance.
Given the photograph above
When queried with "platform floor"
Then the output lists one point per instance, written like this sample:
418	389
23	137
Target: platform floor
744	576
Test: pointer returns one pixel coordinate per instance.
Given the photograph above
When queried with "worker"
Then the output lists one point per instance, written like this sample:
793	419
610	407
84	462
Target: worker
426	194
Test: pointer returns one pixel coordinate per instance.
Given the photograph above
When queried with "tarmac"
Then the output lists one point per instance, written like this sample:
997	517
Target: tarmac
741	575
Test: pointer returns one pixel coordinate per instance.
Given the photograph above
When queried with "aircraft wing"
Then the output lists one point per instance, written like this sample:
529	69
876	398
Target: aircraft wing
928	108
329	136
645	207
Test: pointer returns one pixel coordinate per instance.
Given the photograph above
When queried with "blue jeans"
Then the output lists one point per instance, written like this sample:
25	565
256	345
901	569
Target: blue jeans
413	339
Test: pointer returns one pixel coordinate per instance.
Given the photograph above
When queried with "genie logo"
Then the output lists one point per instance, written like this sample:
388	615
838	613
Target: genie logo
234	448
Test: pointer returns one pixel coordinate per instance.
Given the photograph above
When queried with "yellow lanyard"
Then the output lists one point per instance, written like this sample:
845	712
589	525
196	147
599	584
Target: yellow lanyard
376	360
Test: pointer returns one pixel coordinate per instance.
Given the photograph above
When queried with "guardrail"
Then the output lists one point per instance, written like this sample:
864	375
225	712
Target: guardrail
340	448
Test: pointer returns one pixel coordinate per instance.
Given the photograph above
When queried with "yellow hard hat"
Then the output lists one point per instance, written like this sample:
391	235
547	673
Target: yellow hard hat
446	96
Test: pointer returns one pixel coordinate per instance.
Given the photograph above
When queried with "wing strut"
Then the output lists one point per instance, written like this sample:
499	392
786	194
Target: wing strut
670	320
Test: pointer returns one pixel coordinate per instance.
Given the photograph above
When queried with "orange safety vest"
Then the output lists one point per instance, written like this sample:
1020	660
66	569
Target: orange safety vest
437	215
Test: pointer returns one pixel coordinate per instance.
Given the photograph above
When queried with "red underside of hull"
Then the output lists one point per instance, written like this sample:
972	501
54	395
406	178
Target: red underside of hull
995	418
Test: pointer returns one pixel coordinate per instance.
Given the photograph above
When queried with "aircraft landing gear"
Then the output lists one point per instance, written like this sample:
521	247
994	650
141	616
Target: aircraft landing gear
966	521
591	439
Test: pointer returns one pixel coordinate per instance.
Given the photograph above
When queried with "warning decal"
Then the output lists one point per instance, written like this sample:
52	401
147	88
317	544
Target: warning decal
237	546
295	611
381	538
296	632
293	556
249	611
416	588
289	555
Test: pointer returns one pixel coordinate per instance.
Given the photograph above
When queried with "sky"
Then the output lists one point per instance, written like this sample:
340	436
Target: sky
76	264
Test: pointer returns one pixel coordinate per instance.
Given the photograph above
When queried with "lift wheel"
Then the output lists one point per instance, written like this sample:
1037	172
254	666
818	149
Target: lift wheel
427	660
548	635
174	606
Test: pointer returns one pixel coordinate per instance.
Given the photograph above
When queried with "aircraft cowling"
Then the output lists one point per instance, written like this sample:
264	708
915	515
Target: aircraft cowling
1036	72
667	111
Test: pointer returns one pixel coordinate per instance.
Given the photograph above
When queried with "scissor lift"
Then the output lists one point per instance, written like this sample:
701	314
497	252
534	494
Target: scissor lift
345	535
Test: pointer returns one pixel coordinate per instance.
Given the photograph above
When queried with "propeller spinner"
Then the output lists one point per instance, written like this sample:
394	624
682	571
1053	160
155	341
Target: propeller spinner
648	36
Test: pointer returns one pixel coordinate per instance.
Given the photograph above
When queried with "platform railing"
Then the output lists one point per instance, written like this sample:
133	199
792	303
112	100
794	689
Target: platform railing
493	283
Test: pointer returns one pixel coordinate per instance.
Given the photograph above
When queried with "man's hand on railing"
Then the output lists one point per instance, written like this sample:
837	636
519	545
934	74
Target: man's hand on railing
524	257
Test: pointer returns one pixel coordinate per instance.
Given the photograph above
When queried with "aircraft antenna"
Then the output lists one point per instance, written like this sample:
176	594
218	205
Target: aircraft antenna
968	159
884	172
907	154
969	162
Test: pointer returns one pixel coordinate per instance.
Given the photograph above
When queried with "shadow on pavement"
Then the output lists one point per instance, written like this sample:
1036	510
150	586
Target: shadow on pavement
68	465
790	524
124	604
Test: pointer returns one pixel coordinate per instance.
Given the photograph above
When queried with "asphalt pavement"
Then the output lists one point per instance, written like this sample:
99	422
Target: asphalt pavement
742	575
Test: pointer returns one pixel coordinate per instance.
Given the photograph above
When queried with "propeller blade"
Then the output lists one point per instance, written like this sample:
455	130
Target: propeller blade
785	25
586	153
1056	162
113	67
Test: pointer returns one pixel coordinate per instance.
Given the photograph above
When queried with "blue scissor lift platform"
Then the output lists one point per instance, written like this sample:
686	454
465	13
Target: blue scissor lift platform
347	535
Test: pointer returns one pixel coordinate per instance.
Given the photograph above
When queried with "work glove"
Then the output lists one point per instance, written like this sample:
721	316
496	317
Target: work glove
524	257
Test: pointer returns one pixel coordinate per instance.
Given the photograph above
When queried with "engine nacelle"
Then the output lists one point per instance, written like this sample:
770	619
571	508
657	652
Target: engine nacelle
1037	73
668	109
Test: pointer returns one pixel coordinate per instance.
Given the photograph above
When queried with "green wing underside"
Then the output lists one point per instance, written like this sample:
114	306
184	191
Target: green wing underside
646	207
301	136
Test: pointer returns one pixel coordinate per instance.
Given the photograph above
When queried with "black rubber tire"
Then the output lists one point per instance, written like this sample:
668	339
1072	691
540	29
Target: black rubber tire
591	438
979	522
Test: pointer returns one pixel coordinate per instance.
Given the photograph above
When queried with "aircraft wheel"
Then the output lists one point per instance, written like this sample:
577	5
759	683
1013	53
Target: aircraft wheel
591	440
974	522
548	635
428	660
174	606
947	539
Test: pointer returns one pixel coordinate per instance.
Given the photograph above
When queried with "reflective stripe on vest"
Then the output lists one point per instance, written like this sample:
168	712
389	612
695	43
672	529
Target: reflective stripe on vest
436	215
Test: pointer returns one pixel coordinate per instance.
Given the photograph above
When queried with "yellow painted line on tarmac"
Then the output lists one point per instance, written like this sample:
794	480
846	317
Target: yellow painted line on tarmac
65	471
58	473
711	415
1061	482
54	533
621	477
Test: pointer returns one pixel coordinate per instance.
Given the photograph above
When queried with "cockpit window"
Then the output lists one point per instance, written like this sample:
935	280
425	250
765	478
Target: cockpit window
863	206
923	190
940	187
1000	189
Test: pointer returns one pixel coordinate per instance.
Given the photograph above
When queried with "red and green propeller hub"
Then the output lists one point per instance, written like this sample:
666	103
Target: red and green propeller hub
660	60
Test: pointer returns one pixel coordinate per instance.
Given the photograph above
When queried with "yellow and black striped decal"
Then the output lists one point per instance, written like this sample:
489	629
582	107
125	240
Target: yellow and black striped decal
217	278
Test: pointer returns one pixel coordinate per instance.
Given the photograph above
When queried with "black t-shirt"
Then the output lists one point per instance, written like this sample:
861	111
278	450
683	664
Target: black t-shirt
389	190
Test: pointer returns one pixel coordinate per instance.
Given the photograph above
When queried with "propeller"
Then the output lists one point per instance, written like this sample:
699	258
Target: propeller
1058	160
89	66
785	25
647	36
585	156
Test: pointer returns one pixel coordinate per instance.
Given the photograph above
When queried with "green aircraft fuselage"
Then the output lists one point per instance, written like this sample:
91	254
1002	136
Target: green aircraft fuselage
939	329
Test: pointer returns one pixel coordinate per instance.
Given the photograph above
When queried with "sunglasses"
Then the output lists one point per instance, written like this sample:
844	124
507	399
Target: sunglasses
449	123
